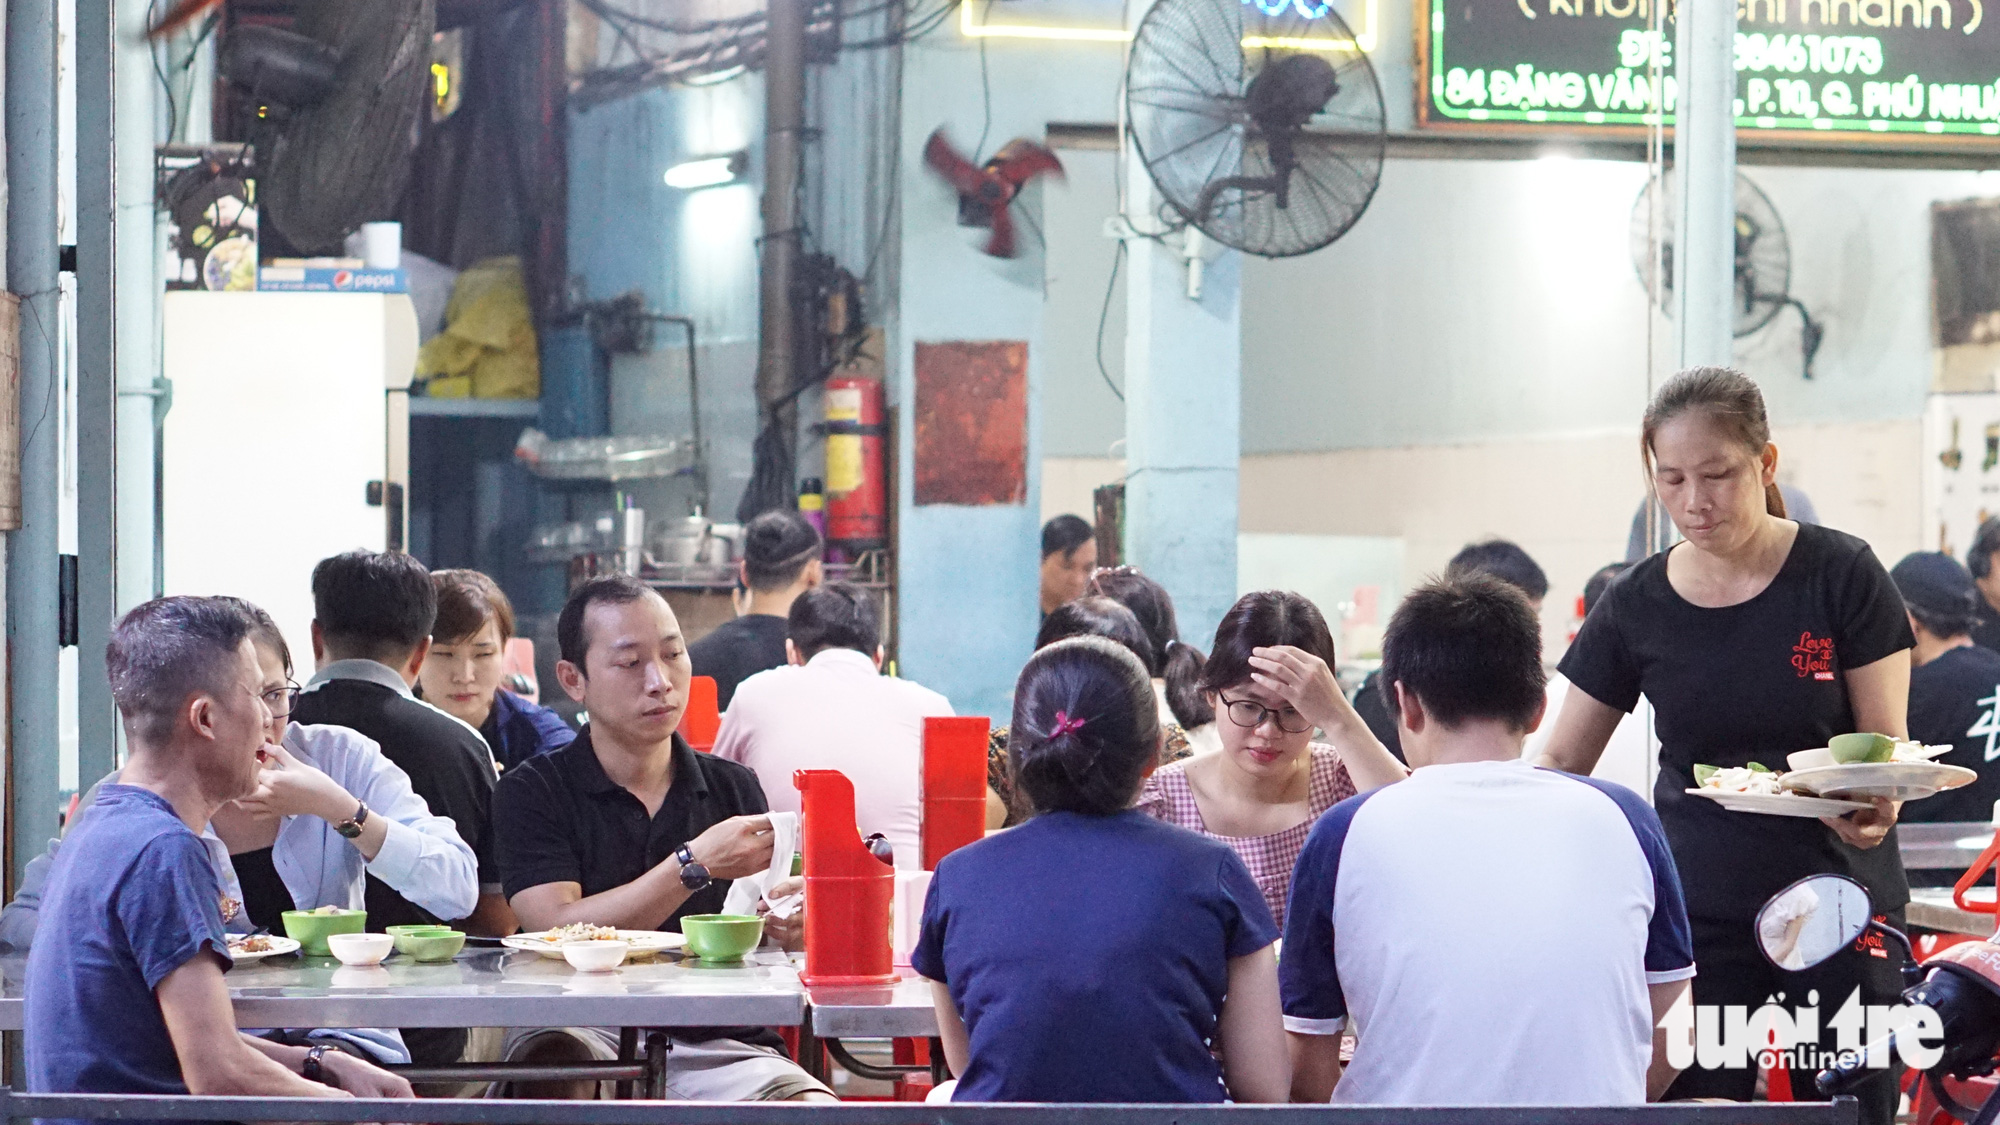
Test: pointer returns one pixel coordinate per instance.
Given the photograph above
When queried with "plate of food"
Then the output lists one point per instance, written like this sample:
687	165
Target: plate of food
1756	788
256	947
549	943
1873	765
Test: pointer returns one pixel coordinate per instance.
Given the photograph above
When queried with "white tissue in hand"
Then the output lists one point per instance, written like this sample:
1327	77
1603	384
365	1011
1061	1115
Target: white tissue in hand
784	906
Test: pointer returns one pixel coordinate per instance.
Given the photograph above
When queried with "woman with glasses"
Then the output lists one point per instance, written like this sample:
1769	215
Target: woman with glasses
329	810
1270	680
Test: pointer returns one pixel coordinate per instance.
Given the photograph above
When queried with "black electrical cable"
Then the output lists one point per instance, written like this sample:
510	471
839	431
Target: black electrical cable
985	96
1103	314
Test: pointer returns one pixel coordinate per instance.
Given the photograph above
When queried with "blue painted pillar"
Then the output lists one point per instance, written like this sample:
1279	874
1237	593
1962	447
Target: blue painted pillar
968	576
1183	416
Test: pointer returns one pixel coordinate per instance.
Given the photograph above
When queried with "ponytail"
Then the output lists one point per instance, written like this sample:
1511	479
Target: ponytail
1181	669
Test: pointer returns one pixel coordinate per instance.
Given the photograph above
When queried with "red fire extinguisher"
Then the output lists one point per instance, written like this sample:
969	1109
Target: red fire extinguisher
857	485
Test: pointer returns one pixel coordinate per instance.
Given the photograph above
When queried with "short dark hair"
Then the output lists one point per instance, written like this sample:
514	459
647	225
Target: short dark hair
1503	560
612	589
168	649
1176	662
1600	582
374	603
1064	534
835	615
1264	619
1940	595
264	630
1085	727
1470	647
777	547
1985	541
1094	615
466	601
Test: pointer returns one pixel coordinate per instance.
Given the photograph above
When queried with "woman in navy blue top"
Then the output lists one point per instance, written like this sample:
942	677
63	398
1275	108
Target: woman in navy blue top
462	674
1094	954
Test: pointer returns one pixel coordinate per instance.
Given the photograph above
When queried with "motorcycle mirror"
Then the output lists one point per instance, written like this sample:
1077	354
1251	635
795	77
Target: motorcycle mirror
1811	920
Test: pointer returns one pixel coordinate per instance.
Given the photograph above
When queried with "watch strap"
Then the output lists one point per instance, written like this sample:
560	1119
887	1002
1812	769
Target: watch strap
351	827
312	1070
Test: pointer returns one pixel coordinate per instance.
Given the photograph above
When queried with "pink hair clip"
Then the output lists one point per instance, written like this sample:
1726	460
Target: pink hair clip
1065	724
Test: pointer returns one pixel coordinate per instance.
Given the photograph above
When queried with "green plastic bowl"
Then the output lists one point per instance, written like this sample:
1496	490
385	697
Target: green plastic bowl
310	928
722	937
435	946
404	934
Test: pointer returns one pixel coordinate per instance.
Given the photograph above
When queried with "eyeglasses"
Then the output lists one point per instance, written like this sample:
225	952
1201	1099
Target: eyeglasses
281	700
1250	714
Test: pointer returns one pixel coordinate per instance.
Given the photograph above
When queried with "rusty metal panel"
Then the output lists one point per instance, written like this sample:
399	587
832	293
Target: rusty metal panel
972	422
10	412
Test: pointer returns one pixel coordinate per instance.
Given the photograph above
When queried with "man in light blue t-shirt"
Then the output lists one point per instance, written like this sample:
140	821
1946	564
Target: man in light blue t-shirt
1493	933
131	999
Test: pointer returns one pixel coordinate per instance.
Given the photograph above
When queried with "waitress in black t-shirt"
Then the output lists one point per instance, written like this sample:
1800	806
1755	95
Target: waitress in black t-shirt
1756	638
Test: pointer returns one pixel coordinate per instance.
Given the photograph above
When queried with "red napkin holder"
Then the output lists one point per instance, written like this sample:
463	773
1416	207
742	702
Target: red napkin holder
848	891
954	785
701	719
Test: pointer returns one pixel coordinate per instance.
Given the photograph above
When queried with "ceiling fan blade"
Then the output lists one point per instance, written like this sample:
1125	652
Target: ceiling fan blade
179	16
964	176
1001	245
1021	161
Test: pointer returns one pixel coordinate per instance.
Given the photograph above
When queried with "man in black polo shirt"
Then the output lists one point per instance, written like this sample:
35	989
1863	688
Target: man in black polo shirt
780	561
372	616
629	827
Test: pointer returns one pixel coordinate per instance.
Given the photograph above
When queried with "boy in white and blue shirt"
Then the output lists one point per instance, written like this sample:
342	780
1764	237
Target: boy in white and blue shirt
1491	932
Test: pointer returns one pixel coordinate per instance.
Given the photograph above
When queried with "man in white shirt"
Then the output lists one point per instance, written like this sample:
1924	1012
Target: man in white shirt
1499	934
830	708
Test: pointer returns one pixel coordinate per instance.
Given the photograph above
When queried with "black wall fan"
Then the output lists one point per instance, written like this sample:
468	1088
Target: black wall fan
338	99
1763	260
1259	121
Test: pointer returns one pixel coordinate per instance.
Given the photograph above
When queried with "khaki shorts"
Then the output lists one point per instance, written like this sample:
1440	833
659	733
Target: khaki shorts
712	1070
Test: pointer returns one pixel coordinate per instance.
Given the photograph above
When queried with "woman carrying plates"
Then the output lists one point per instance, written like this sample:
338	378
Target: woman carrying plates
1756	637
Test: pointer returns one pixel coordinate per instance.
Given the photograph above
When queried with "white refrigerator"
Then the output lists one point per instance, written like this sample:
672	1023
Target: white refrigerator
287	440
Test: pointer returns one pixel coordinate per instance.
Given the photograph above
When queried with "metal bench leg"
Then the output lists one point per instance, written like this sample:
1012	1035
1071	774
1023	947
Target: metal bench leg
628	1051
657	1049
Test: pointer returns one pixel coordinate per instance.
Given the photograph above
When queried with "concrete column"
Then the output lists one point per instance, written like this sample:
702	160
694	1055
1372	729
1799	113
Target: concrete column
32	653
136	287
1183	417
1705	166
97	316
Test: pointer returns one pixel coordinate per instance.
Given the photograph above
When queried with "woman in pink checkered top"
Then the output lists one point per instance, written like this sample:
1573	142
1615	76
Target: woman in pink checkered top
1270	680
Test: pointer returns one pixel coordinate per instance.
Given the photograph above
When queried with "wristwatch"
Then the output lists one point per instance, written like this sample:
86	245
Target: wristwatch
351	827
694	876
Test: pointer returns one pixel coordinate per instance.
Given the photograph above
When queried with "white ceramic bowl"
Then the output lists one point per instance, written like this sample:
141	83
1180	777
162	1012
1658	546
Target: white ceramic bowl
596	956
360	949
1811	759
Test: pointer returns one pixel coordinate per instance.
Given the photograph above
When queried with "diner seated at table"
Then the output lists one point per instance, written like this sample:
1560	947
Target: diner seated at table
1270	676
831	708
468	658
1501	558
1094	954
1173	664
781	560
371	630
1501	934
1092	615
1954	690
132	1000
629	827
285	846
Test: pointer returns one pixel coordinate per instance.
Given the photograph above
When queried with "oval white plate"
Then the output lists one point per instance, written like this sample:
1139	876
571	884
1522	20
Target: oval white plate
1780	804
1897	781
279	947
645	943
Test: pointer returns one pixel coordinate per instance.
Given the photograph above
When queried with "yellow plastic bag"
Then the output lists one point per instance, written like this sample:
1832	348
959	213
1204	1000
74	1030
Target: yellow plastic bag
488	339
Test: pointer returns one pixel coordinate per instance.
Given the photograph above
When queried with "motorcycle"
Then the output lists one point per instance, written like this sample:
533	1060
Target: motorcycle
1815	918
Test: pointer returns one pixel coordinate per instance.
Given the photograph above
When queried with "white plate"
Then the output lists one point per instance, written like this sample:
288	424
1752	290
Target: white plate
1897	781
1780	804
645	943
279	947
1820	756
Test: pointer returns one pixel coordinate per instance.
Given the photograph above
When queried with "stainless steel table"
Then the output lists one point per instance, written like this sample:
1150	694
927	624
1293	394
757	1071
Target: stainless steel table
1931	908
902	1010
493	988
1944	846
